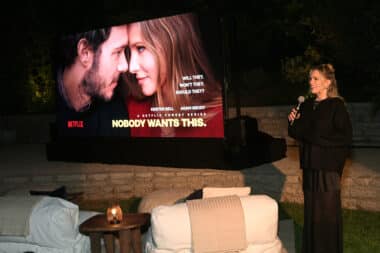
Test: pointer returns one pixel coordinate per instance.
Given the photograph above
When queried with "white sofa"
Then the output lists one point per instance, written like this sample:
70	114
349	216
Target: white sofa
53	228
170	229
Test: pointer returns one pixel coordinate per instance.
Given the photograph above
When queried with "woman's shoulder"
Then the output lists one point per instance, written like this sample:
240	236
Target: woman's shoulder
334	104
336	101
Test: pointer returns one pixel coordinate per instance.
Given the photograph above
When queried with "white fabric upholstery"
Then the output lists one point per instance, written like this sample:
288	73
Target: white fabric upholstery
162	197
271	247
81	246
172	196
171	227
15	214
211	192
171	230
54	224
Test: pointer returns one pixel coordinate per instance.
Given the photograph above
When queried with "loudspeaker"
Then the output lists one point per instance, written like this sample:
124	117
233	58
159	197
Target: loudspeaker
246	146
239	130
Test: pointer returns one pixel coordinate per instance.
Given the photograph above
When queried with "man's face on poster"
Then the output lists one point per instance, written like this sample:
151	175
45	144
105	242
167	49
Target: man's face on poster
109	62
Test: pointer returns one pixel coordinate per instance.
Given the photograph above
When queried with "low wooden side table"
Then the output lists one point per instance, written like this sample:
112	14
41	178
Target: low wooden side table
128	231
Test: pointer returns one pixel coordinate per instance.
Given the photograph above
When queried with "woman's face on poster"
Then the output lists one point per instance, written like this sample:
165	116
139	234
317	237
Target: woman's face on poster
142	62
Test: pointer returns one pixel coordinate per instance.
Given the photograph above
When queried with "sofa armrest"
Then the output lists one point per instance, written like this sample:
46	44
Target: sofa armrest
171	224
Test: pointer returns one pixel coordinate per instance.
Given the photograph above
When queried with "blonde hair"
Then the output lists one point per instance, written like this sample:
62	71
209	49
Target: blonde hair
328	71
178	49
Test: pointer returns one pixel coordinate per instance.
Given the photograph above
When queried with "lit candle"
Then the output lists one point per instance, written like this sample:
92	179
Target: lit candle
114	214
113	211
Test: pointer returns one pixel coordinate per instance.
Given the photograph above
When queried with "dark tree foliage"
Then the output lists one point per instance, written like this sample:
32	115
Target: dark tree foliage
280	40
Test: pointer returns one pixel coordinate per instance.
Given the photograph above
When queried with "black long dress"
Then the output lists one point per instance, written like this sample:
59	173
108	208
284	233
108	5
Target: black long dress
324	133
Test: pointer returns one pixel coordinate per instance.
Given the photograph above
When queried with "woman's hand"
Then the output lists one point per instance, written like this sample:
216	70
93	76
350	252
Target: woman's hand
293	115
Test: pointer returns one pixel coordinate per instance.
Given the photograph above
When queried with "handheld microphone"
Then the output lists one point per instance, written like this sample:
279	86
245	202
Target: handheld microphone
300	99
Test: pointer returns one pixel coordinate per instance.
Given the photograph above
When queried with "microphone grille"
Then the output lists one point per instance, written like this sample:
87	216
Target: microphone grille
301	99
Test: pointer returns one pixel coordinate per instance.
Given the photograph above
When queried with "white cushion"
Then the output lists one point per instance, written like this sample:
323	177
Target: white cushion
171	224
212	192
162	197
53	223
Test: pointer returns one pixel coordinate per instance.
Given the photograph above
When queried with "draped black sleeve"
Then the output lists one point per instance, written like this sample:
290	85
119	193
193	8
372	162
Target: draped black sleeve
324	133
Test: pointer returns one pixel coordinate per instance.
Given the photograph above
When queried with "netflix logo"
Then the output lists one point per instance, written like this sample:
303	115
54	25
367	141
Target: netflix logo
75	124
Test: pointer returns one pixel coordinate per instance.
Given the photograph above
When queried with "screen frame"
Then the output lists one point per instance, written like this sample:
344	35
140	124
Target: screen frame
174	152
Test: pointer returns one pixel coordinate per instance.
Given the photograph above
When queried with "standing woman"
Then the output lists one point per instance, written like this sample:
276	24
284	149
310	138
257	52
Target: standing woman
324	131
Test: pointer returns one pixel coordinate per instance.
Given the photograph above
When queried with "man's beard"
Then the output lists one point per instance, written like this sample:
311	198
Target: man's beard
93	83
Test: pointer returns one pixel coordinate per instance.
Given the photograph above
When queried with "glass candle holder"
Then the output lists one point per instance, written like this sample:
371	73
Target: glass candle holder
114	214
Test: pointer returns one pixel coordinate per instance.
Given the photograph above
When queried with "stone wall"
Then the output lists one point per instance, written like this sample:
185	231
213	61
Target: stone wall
273	121
24	166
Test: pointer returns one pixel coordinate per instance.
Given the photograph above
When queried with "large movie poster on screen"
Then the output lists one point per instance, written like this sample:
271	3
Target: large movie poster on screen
159	77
